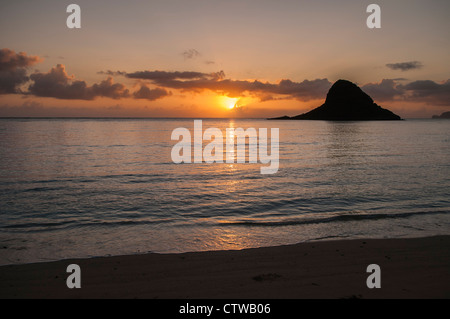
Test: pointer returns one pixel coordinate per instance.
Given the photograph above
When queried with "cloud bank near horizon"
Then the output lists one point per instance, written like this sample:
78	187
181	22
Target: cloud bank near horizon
58	84
217	82
156	84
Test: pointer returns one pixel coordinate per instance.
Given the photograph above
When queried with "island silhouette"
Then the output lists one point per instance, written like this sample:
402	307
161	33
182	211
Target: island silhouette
346	102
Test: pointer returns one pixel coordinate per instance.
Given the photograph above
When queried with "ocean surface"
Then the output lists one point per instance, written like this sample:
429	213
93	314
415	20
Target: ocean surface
97	187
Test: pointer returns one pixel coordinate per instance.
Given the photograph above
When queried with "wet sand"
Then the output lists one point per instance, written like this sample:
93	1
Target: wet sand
410	268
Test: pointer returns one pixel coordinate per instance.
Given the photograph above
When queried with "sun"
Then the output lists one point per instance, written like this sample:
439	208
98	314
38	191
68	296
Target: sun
229	102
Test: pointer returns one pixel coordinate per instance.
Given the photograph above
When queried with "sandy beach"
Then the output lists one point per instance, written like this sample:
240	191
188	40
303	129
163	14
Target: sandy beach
410	268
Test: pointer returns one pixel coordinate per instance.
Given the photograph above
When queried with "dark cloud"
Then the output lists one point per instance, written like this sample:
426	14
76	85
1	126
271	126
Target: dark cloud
306	90
387	90
405	66
191	54
11	80
107	88
424	91
10	60
112	73
429	92
196	81
58	84
167	76
150	94
13	70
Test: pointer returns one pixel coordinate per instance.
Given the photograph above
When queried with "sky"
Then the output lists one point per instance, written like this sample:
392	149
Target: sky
210	58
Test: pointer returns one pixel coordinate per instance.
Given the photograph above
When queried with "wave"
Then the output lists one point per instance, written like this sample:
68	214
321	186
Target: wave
337	218
66	225
199	221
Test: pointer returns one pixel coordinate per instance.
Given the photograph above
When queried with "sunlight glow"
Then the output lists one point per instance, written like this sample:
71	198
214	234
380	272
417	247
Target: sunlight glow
228	102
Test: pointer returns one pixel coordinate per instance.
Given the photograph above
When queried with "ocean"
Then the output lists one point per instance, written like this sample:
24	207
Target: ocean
76	188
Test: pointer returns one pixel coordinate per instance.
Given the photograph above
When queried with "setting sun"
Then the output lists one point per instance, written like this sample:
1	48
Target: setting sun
228	102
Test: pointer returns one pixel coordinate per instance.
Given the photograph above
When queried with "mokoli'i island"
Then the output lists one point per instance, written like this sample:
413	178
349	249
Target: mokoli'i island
346	102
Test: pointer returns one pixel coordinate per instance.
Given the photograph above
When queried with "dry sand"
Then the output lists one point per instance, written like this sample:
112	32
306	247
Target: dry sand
410	268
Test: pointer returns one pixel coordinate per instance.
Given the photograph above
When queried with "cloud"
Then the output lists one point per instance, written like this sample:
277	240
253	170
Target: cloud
386	90
197	81
190	54
168	76
146	93
306	90
429	92
424	91
107	88
405	66
58	84
193	54
112	73
10	60
11	80
13	70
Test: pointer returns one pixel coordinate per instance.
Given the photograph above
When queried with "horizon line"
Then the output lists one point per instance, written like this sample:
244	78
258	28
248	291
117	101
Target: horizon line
153	118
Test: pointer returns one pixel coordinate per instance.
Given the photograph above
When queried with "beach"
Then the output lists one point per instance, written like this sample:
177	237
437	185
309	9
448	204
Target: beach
410	268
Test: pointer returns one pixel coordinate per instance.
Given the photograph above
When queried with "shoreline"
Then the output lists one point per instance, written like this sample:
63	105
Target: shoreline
410	268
